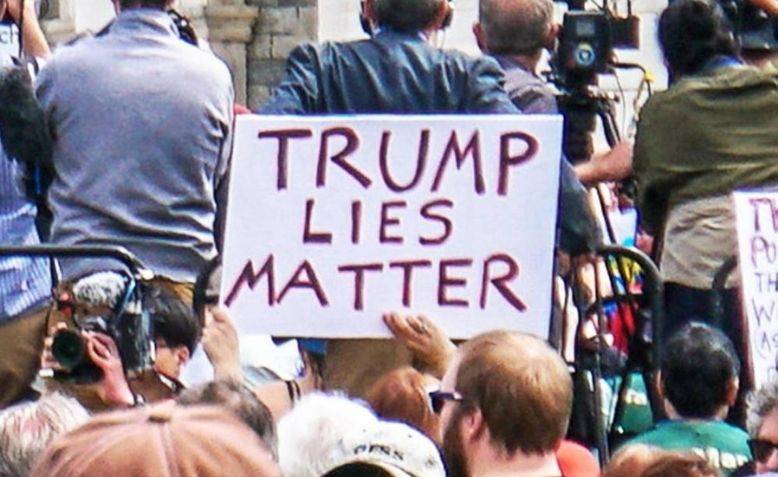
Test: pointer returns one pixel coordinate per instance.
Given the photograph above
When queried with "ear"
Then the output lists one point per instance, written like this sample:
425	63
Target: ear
368	10
732	388
480	37
473	426
553	34
182	355
440	19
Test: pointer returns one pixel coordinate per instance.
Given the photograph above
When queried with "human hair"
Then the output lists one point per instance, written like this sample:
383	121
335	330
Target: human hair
698	365
400	395
358	469
516	27
26	429
407	15
679	464
522	388
314	427
761	404
159	4
237	399
692	32
172	318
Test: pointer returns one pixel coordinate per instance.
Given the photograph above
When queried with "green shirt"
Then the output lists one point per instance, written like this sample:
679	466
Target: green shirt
707	135
724	446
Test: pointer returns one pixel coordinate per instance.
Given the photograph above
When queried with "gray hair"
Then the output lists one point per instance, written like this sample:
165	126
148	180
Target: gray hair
26	429
761	404
517	27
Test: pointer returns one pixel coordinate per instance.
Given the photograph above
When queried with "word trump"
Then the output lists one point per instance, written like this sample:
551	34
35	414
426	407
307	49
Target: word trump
350	143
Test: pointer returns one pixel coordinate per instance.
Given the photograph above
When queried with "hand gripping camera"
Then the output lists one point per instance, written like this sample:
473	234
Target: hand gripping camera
108	303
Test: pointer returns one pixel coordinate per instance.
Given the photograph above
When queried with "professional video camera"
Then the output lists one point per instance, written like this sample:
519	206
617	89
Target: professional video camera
108	303
755	29
585	51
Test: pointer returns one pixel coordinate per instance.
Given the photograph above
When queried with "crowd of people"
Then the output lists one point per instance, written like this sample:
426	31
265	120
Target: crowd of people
131	139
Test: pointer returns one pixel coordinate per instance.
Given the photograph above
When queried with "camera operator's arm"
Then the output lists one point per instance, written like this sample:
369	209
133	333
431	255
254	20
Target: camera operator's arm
770	6
613	165
34	41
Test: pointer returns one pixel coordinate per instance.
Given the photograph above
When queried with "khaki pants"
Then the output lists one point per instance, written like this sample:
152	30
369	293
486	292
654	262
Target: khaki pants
356	364
21	344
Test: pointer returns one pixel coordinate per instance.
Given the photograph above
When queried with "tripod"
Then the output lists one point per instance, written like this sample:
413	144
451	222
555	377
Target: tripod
582	106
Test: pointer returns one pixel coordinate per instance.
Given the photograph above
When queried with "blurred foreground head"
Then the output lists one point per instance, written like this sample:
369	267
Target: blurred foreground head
26	429
159	441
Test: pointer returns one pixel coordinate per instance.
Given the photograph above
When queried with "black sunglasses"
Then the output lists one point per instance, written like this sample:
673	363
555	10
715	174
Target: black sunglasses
761	449
439	398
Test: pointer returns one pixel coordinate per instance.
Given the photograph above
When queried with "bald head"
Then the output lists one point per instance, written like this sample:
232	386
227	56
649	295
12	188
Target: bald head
516	27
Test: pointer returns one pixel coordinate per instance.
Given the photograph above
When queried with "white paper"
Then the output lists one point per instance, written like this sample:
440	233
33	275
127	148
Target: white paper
501	218
757	229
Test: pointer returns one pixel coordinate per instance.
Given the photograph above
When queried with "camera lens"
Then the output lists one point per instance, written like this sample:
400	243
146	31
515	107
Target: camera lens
68	349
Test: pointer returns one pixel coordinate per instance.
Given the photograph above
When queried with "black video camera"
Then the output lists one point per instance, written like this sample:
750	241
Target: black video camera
108	303
586	44
585	48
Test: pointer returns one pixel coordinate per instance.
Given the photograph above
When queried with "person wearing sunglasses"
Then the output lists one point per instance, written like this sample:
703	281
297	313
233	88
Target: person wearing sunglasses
763	428
504	405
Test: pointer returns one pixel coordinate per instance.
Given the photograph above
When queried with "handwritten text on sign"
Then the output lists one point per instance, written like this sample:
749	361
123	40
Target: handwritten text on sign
757	223
333	221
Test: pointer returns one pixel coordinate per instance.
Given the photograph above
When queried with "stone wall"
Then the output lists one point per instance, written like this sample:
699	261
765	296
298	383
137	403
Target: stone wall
280	27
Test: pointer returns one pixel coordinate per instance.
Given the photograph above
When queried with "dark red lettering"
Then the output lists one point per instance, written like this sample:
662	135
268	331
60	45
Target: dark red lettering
407	267
313	237
283	136
359	280
309	281
499	282
250	278
507	160
352	143
421	162
448	226
445	281
387	221
356	221
473	148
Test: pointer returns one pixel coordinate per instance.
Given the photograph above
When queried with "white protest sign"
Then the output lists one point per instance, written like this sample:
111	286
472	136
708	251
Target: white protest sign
9	40
757	231
333	221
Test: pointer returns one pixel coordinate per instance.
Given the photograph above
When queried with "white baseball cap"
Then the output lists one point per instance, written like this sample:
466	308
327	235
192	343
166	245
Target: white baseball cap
399	449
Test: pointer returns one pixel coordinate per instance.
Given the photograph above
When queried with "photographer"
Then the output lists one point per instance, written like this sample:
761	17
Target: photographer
176	333
141	122
24	282
515	33
711	133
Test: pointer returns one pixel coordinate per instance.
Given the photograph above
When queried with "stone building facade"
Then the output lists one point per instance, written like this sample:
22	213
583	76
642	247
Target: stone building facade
255	36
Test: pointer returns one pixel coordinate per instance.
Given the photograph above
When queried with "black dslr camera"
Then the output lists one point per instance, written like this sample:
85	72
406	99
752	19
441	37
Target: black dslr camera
104	302
107	303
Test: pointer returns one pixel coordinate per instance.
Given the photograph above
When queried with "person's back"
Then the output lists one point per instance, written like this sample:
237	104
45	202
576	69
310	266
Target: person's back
393	72
141	123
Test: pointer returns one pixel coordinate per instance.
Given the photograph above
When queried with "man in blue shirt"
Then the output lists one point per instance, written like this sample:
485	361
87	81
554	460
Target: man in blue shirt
25	283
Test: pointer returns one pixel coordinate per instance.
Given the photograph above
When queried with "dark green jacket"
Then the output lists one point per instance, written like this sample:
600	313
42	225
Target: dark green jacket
708	135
